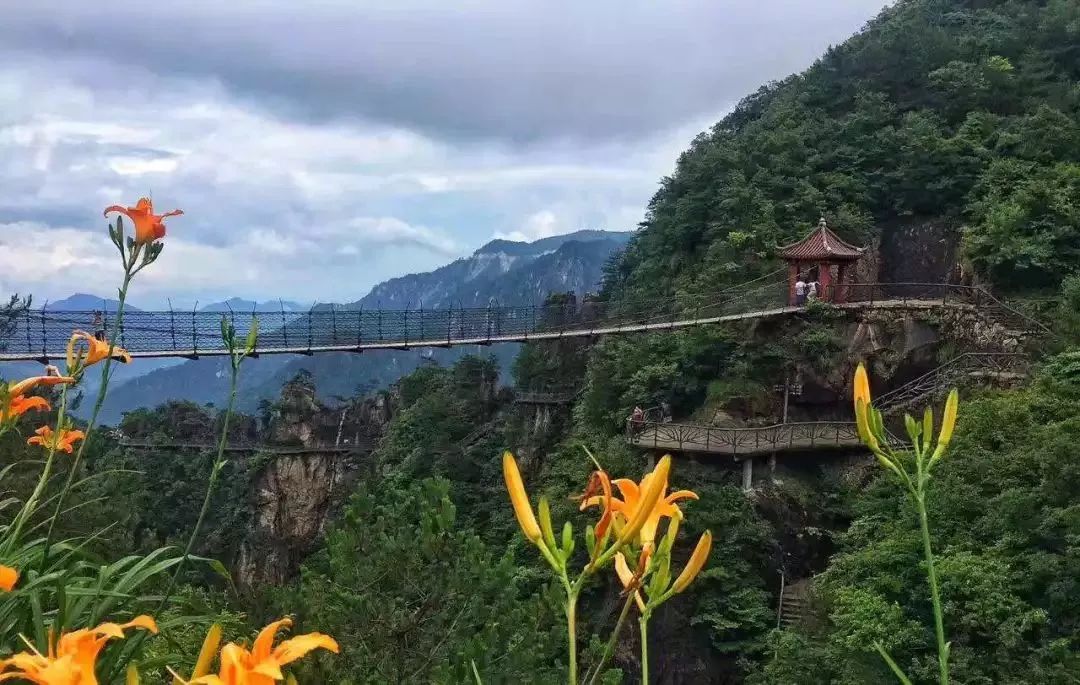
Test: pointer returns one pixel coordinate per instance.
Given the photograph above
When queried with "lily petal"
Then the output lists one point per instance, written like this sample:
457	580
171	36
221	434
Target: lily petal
295	648
8	578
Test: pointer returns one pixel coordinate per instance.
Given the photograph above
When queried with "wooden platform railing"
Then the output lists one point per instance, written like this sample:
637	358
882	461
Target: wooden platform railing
738	442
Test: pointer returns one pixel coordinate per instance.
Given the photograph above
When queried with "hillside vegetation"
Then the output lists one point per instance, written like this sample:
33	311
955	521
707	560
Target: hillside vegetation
966	111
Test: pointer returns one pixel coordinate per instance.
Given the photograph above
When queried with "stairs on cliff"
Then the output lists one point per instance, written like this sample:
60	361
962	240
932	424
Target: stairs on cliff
794	604
983	368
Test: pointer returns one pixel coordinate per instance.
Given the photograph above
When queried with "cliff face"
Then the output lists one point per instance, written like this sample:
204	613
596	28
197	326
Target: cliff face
294	496
292	500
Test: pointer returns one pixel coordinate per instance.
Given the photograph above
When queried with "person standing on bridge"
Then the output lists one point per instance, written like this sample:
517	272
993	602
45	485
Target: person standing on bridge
800	291
98	326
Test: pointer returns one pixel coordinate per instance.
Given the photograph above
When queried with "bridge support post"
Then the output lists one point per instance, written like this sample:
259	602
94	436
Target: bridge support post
748	474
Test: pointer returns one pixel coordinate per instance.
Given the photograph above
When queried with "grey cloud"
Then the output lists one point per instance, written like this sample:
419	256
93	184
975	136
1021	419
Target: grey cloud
521	71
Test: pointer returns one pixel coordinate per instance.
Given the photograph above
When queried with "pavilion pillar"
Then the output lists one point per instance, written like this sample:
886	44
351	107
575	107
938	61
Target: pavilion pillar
825	279
748	474
841	283
793	275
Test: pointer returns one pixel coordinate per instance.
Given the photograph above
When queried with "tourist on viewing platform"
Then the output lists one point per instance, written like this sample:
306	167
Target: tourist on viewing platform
800	292
637	419
812	289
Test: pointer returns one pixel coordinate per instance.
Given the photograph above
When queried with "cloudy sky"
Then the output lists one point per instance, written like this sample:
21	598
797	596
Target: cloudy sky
318	148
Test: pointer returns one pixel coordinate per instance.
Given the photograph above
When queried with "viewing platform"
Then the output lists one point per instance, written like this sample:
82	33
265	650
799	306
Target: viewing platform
742	442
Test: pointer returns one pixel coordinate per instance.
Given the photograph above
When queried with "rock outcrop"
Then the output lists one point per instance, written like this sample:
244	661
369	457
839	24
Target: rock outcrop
296	495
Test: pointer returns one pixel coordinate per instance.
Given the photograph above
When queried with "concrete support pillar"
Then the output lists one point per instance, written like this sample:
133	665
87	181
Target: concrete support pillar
748	474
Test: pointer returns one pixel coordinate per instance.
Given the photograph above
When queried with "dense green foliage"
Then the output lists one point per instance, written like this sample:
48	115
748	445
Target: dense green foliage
963	111
1005	522
413	597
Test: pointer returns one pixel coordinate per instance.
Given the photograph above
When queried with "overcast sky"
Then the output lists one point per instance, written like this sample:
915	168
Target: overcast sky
318	148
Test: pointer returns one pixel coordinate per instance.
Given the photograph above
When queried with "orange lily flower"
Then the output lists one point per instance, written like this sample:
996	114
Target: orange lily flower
600	480
861	398
20	404
96	350
148	226
262	665
20	388
73	658
63	441
13	399
632	500
8	578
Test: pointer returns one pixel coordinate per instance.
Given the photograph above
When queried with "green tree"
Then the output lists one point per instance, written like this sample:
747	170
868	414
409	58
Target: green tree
1026	223
1008	559
412	598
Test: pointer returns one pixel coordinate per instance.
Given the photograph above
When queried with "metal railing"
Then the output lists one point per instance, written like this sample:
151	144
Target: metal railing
267	449
43	334
685	437
553	397
941	379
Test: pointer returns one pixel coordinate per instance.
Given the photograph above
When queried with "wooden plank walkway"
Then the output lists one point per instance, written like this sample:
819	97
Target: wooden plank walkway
744	442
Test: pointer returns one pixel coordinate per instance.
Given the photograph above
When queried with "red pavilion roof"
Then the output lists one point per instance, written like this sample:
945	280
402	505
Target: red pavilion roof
822	244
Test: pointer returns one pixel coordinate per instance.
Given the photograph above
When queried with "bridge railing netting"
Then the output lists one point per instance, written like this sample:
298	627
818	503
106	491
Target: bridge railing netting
44	333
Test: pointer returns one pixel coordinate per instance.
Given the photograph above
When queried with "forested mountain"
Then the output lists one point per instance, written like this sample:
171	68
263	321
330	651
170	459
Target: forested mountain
966	112
502	271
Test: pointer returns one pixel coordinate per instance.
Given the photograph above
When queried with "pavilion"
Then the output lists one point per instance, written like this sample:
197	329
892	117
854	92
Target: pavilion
821	256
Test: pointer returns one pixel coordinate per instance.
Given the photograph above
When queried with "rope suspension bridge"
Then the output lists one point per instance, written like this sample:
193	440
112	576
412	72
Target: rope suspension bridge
42	335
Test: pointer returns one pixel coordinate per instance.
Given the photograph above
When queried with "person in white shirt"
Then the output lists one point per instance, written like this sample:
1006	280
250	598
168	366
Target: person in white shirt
812	290
800	292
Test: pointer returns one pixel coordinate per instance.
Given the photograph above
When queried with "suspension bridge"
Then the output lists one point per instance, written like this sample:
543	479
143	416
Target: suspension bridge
42	335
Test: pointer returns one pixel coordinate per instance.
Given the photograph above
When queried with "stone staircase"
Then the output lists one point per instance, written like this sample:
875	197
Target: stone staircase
981	368
794	604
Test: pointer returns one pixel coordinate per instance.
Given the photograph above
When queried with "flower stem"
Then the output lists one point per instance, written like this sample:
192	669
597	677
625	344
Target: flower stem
643	623
133	645
609	648
98	403
30	505
935	596
210	486
571	631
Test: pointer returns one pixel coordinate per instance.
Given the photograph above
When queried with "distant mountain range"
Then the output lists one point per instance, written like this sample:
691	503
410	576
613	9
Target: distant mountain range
123	374
502	271
81	302
238	304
